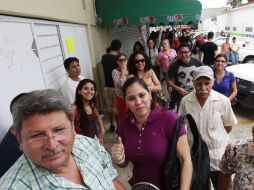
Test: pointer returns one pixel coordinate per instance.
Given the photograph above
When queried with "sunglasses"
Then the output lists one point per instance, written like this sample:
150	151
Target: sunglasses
122	60
140	61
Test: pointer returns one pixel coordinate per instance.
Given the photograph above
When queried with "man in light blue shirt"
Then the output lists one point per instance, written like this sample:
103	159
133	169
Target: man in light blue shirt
54	156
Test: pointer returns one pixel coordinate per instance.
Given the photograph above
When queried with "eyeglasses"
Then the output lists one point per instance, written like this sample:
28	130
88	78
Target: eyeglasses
184	52
140	61
122	60
218	60
40	139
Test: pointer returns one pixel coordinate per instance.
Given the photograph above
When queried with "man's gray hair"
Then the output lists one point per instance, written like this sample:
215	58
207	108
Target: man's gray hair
39	102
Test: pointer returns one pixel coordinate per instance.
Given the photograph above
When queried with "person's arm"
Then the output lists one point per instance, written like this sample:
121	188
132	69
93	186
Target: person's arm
143	32
158	43
180	90
156	87
233	92
74	109
100	125
158	60
183	151
118	185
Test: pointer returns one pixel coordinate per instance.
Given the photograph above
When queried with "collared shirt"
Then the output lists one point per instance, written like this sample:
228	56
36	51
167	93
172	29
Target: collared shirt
239	160
68	89
211	119
93	161
147	148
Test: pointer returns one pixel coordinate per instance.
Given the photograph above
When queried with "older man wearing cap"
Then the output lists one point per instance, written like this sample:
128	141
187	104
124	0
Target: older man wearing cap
213	115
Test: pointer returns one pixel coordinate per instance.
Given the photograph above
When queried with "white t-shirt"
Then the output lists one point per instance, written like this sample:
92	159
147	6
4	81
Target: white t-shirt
68	89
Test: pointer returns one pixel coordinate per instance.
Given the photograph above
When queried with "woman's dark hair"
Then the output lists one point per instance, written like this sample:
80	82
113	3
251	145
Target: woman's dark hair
84	121
221	55
141	82
119	55
138	43
131	66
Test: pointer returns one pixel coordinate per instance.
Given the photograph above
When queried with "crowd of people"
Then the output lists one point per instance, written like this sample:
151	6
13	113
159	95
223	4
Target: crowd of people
56	141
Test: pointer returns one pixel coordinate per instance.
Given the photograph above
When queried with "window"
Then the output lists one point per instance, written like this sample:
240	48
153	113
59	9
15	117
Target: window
248	29
234	28
227	28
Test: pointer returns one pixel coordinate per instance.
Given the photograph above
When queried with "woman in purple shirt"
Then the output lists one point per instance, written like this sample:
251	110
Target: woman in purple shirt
144	137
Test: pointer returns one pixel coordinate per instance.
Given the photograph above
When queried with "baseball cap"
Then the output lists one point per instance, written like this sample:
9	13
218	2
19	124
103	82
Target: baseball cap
203	71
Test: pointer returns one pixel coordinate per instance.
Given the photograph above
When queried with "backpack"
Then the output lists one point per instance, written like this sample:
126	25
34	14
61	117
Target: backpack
199	156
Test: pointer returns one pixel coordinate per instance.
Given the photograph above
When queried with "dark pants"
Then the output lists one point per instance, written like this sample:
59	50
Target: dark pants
214	175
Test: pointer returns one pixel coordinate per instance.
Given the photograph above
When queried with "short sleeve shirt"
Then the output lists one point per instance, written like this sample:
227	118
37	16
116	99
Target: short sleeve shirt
68	89
239	160
108	62
166	58
93	161
182	73
211	119
209	49
147	148
225	85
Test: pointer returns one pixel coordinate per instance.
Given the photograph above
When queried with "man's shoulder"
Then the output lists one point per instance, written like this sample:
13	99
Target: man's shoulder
196	62
17	175
85	145
107	58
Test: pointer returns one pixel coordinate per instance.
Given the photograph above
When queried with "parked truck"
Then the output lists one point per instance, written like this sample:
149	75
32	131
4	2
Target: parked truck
237	22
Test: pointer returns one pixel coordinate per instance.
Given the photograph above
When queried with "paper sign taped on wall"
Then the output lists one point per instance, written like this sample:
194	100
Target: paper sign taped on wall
70	45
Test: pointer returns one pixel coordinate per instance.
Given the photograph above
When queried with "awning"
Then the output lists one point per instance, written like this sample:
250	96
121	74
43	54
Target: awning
138	12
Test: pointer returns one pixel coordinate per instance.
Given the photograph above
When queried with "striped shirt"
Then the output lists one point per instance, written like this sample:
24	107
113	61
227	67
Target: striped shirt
93	161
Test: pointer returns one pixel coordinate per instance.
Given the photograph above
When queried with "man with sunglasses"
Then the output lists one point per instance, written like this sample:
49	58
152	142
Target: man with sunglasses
180	75
54	156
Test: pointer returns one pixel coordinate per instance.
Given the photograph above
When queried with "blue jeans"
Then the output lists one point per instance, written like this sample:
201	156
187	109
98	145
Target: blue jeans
234	57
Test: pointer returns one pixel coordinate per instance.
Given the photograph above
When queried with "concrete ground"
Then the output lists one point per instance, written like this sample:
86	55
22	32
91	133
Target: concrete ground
241	131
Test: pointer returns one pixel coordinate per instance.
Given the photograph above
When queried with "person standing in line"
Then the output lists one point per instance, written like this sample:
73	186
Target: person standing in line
144	137
138	47
151	49
119	76
225	48
73	69
234	47
108	62
198	43
209	50
180	75
139	66
54	157
184	38
9	147
238	159
225	82
213	115
86	115
165	58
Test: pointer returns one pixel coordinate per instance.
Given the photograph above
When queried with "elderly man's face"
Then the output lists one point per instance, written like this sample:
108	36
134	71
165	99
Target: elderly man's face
47	140
203	87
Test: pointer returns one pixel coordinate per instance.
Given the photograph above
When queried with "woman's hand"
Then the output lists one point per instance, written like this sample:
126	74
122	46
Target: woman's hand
117	152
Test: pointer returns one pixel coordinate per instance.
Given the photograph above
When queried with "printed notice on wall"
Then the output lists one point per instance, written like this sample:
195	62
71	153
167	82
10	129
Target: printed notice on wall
70	45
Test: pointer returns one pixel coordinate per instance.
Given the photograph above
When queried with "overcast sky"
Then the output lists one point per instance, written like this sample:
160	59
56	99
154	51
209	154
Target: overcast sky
213	3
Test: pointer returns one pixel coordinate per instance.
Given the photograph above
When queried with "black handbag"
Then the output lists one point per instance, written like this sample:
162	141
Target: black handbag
199	156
